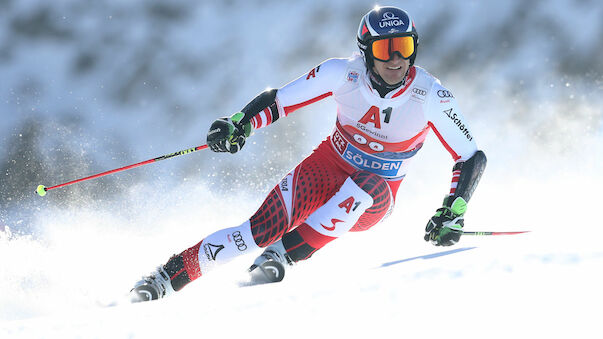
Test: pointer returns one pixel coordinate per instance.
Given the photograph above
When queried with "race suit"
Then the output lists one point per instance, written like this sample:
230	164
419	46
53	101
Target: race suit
350	181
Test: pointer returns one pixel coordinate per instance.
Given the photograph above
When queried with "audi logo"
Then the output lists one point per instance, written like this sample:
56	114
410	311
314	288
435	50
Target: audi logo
238	239
419	91
445	94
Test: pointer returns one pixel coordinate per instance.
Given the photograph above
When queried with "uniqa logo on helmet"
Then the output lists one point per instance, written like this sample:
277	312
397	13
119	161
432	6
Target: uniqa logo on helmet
389	20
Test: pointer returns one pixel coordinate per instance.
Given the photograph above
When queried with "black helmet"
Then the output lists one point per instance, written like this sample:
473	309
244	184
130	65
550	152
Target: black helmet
382	23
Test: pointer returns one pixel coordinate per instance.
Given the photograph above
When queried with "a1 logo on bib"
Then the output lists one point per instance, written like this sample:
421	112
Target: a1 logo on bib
373	116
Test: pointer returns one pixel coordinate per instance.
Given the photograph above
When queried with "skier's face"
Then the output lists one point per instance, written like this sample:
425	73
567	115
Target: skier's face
393	70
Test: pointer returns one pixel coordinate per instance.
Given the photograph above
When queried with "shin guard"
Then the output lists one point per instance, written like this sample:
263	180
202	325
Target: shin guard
216	249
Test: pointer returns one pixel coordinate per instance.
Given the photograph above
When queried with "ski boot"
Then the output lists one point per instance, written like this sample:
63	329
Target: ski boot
156	285
270	266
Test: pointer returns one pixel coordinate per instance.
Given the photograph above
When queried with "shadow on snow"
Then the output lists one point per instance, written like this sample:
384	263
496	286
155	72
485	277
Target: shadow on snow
428	256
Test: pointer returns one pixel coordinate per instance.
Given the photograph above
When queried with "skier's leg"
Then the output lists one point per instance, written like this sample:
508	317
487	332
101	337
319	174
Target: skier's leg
362	201
218	248
333	220
298	195
301	192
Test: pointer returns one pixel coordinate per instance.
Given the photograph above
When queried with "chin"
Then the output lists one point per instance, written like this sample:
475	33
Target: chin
394	81
395	78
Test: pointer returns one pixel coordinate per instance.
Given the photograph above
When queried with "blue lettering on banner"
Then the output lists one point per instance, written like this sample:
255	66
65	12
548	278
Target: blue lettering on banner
367	162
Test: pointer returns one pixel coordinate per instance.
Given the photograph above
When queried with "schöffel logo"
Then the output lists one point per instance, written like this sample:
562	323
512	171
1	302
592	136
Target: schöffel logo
389	20
457	121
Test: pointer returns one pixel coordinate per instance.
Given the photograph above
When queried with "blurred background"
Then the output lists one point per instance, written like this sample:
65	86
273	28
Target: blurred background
89	86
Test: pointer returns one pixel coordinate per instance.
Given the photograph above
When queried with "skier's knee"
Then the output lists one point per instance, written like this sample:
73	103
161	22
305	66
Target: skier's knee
382	197
372	184
341	211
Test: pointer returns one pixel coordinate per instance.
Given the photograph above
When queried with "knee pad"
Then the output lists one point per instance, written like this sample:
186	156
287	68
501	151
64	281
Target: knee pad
382	196
339	214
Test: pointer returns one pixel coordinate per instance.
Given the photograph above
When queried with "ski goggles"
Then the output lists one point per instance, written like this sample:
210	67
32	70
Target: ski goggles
383	49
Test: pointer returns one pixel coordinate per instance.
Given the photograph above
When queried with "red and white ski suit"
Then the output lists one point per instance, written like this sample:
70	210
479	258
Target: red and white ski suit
350	180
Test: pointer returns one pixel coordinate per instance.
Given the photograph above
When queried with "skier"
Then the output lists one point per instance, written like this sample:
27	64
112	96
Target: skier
386	107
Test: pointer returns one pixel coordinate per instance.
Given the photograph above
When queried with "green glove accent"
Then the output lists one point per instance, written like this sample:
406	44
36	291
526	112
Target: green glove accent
459	206
247	128
446	226
227	134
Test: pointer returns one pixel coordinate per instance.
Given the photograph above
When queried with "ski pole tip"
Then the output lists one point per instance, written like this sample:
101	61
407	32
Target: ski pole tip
41	190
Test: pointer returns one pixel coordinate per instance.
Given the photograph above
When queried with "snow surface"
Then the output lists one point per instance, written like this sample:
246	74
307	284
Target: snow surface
542	131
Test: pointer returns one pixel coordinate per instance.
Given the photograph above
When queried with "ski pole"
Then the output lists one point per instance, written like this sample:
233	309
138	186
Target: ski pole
41	190
494	233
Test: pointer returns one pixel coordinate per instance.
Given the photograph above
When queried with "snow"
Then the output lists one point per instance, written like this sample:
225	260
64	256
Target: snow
537	117
383	282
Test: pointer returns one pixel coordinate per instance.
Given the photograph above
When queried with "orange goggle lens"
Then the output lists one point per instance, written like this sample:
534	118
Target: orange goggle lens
384	48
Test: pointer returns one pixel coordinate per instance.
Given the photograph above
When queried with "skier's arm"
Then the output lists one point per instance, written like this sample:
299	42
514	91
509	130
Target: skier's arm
448	123
262	108
468	174
317	84
228	134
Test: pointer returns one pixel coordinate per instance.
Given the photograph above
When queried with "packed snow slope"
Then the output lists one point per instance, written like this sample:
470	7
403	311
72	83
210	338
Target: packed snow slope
95	86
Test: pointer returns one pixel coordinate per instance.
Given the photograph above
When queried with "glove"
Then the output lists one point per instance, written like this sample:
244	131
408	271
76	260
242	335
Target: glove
227	134
446	226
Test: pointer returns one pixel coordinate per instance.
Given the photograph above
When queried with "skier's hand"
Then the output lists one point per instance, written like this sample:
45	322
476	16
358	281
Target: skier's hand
227	134
446	226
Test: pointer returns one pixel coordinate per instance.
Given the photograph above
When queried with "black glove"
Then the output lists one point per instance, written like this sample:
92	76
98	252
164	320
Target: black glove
446	226
227	134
